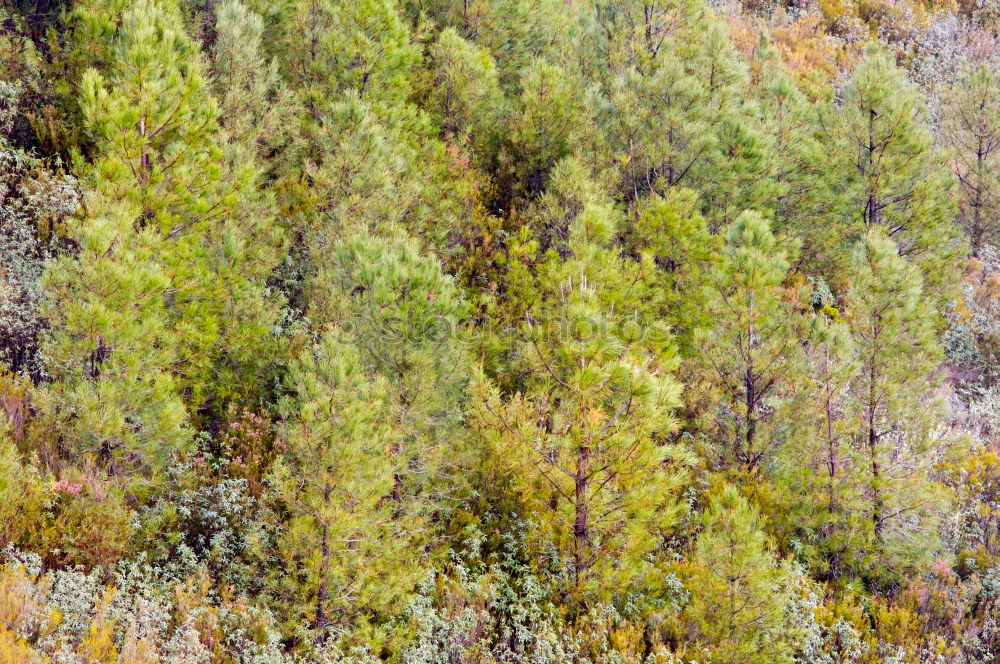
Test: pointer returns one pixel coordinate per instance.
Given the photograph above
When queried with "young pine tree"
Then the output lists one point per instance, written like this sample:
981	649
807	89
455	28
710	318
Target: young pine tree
162	311
971	129
367	156
819	469
330	46
671	238
658	114
739	591
110	347
585	440
370	426
464	88
546	116
161	151
805	188
406	317
677	110
364	167
345	554
256	109
750	349
879	140
891	323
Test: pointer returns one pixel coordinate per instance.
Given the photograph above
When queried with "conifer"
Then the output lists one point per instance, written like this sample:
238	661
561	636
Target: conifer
343	547
971	129
406	317
163	310
750	348
586	438
878	139
739	591
891	322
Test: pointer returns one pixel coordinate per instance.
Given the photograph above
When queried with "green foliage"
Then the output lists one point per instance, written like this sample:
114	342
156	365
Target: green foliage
894	178
971	128
750	349
345	531
586	437
672	240
548	112
155	311
331	47
113	396
465	87
821	467
22	497
405	317
891	395
255	105
739	592
677	112
498	331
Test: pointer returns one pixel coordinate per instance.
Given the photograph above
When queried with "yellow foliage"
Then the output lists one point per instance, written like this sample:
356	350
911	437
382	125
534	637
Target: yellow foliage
98	646
14	650
23	498
17	598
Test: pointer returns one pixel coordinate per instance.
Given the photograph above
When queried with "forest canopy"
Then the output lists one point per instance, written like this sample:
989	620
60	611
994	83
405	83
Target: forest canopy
499	331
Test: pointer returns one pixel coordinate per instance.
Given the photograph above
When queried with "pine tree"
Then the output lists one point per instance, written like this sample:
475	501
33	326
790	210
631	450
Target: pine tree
878	137
156	128
154	123
806	190
345	553
739	592
742	173
331	47
819	468
363	170
750	349
677	110
971	128
406	317
891	324
513	32
109	348
367	155
370	425
643	76
163	307
548	113
671	238
465	88
256	108
585	438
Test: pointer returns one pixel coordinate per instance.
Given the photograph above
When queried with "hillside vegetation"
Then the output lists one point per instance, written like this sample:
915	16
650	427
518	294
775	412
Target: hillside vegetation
499	332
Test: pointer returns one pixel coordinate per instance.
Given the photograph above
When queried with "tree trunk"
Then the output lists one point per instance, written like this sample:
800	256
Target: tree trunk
750	399
580	531
872	205
321	597
878	505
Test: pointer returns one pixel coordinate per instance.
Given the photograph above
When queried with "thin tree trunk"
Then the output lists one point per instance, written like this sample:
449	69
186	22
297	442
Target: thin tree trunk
580	527
878	501
871	208
751	406
321	596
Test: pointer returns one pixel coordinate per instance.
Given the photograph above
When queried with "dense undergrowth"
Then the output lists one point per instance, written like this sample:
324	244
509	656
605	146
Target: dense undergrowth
535	331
